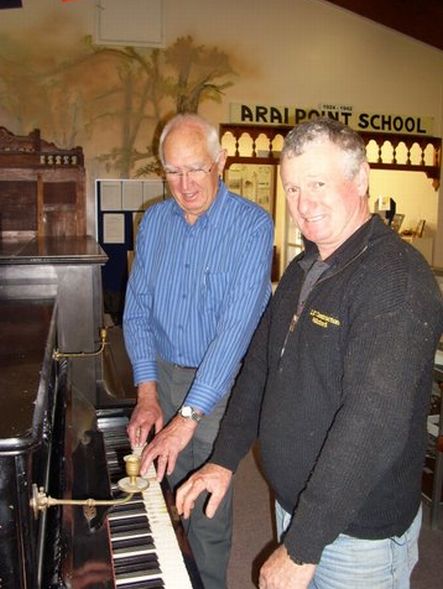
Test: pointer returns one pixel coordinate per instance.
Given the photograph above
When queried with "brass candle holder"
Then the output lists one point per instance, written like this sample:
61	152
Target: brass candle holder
131	484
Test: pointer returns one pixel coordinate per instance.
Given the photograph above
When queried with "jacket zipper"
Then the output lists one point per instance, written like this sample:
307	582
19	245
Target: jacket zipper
295	317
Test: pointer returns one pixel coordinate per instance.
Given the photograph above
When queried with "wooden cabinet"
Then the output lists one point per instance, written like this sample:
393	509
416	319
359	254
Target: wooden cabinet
42	187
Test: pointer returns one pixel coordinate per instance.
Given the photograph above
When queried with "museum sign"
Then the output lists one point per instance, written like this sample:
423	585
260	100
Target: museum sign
360	121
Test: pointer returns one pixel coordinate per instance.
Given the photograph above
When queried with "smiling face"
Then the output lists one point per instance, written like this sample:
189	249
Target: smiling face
186	148
326	203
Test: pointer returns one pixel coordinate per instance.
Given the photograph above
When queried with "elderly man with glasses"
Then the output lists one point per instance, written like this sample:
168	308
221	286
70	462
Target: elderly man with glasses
199	285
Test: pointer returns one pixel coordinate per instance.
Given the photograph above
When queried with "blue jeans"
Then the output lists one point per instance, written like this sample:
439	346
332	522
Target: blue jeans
355	563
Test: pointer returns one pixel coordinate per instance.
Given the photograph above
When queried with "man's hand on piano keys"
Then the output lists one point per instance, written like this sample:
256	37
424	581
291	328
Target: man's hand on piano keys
147	414
167	445
212	478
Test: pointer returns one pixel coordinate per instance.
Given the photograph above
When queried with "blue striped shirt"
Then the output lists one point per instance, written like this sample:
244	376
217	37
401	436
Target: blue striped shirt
196	292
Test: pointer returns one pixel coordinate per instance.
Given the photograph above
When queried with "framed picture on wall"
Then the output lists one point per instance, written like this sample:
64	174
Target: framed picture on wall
253	181
420	228
397	222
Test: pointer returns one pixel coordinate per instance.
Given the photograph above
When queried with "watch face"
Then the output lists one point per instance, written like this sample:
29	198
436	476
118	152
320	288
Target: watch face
189	413
186	411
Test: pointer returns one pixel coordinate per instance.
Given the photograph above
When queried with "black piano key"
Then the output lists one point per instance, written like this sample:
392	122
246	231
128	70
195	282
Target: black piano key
116	536
131	506
143	564
137	512
154	574
136	568
145	584
130	526
116	433
140	542
135	519
127	509
131	559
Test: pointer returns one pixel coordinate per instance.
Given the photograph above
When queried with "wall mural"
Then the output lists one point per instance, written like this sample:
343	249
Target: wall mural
110	100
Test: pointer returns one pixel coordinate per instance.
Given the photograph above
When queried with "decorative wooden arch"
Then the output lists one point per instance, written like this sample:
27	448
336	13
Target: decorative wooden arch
271	132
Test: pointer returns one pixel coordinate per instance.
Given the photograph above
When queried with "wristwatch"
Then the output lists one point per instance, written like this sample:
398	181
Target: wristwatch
189	412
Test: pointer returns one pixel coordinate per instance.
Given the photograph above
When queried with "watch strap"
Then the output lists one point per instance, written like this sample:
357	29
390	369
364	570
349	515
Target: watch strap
189	412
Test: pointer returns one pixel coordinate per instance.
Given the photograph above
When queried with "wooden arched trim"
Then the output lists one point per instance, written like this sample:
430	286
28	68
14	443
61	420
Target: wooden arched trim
271	132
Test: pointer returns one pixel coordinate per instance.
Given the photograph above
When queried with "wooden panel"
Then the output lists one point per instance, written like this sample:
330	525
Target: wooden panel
60	193
18	206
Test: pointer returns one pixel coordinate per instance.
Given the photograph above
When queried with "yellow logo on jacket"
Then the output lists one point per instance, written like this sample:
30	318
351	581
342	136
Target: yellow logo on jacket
323	320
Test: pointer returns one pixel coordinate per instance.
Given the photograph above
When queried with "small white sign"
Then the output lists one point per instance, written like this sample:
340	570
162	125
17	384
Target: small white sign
113	228
132	195
111	195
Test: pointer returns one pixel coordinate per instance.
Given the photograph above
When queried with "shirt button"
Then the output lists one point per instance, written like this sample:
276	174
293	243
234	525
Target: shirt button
187	266
184	296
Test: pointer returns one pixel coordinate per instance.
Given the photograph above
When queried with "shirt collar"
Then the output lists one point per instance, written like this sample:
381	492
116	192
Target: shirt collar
351	247
214	211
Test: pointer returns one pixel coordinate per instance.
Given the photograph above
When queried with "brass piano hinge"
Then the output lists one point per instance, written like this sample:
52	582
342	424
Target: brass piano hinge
57	355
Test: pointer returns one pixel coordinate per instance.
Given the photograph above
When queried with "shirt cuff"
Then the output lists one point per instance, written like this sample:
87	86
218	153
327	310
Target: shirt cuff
144	371
202	397
302	546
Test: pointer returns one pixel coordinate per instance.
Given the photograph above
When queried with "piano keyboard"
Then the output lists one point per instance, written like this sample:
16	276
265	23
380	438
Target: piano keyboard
145	551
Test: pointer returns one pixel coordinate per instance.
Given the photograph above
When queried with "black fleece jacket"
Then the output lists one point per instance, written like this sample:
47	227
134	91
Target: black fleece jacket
341	416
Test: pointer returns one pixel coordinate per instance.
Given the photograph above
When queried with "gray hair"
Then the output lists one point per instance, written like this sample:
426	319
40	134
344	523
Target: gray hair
191	119
325	128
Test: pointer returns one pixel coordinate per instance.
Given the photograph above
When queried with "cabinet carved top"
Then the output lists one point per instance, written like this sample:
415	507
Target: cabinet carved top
31	150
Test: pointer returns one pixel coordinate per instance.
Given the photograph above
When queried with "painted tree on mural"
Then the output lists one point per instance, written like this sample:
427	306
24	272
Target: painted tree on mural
114	98
33	90
197	70
154	84
131	103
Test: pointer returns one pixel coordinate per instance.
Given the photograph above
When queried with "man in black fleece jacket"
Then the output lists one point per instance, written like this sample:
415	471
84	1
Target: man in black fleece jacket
336	383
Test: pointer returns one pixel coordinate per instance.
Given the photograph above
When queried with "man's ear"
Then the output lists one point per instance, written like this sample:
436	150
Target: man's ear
221	161
362	179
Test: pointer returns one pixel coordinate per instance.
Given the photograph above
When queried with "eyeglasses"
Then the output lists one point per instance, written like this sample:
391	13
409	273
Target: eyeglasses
192	173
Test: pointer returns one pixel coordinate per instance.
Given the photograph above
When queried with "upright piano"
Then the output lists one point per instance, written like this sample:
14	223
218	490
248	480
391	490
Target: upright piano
62	430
